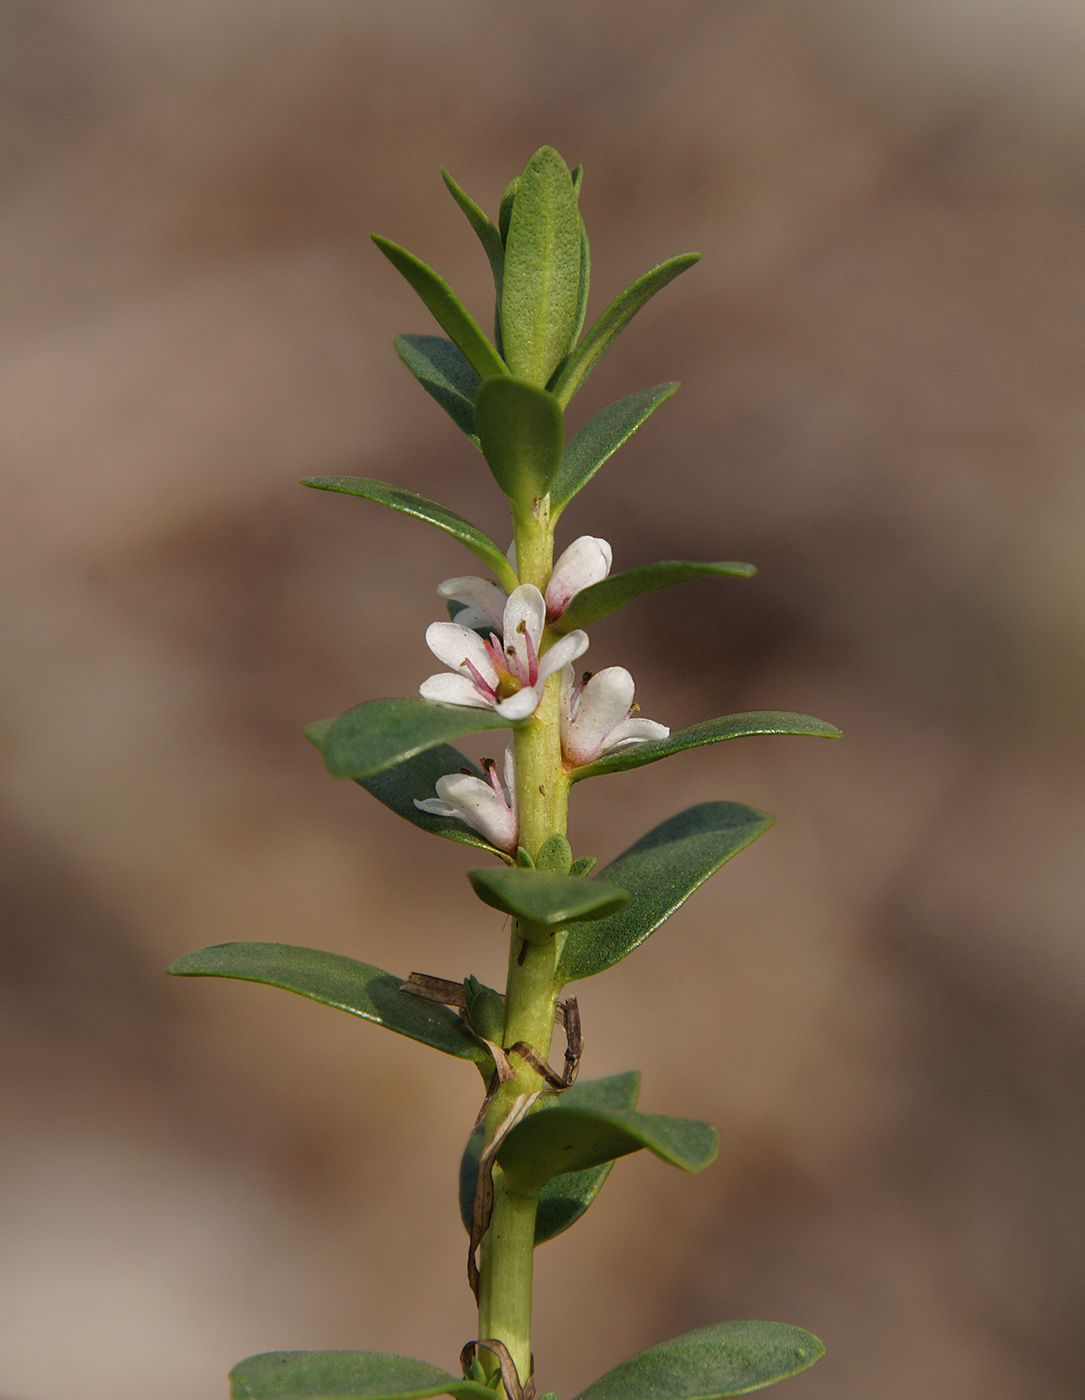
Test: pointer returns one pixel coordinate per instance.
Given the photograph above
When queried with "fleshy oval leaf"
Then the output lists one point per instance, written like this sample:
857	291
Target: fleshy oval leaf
709	731
540	296
728	1358
614	319
379	734
443	371
599	439
521	429
408	503
660	872
612	593
571	1137
545	897
445	307
340	982
345	1375
564	1198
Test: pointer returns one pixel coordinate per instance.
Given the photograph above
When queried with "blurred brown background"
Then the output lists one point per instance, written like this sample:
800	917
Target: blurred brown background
880	1004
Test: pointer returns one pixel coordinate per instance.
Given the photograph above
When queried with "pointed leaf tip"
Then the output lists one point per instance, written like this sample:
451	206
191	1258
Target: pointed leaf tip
407	502
660	872
445	307
613	320
599	439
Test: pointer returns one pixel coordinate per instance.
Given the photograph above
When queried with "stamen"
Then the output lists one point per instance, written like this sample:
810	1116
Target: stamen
532	658
481	684
489	767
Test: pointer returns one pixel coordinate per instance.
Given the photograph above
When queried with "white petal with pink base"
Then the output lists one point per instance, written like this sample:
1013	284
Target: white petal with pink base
586	561
504	673
597	716
483	803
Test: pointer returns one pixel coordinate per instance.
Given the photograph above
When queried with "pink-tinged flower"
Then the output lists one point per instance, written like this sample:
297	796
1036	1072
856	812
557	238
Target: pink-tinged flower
597	716
505	673
483	803
586	561
482	602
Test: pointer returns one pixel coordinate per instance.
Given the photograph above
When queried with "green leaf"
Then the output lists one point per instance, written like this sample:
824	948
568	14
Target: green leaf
545	897
729	1358
585	282
554	854
485	1009
341	982
345	1375
541	291
488	234
445	307
444	519
660	872
504	217
614	319
564	1198
599	439
522	432
443	371
709	731
596	601
379	734
566	1136
417	777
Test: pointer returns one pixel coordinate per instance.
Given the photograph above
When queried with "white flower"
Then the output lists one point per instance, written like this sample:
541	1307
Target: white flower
505	673
596	715
586	561
482	803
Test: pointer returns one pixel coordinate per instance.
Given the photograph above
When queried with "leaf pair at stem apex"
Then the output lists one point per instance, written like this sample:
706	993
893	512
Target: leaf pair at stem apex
509	395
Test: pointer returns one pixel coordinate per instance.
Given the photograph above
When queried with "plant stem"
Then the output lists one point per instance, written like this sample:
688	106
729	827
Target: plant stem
506	1261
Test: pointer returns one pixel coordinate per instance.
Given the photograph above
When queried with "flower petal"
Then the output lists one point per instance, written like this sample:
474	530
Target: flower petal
525	604
564	651
476	803
447	689
525	702
477	593
634	731
455	645
435	808
525	618
586	561
510	770
604	704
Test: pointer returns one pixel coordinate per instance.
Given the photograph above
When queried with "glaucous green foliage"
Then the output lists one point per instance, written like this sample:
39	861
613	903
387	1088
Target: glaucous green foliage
544	1144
